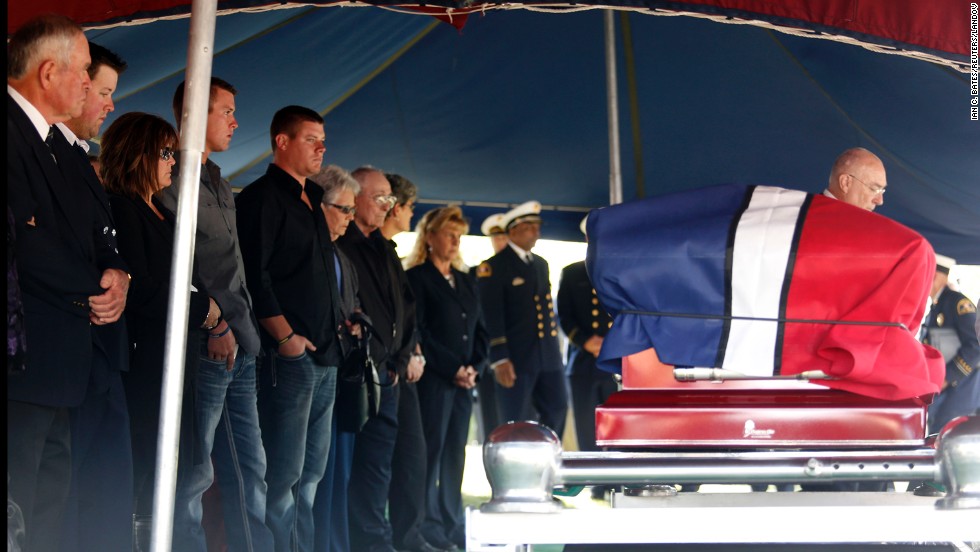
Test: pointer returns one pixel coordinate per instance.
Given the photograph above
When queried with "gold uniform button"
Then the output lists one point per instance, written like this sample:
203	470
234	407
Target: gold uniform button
595	312
554	333
553	324
595	324
540	335
610	324
540	316
548	296
537	297
538	307
595	301
540	325
550	305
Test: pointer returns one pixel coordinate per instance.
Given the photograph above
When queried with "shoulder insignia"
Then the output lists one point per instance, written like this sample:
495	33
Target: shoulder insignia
484	270
965	306
517	281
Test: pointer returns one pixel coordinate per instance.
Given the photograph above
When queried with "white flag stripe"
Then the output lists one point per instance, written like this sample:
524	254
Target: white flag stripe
763	240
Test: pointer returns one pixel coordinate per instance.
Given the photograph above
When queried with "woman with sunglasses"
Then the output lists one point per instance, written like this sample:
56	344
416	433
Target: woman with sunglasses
136	163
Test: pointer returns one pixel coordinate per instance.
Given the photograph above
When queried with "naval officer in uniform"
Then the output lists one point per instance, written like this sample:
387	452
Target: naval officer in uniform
950	328
493	228
517	303
585	324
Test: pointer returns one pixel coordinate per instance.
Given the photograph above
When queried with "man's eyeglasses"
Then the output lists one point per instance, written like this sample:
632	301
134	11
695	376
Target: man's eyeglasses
386	201
347	210
166	154
876	190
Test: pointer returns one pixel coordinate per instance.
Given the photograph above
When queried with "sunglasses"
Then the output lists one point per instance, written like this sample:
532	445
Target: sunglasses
167	153
347	210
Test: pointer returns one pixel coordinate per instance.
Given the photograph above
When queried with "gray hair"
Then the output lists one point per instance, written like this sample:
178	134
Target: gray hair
334	179
44	37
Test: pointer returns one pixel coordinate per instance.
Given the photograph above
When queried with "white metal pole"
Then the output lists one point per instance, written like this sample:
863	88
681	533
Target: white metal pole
612	103
193	122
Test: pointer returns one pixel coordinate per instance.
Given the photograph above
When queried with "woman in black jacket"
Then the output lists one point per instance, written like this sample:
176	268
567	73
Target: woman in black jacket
136	163
455	343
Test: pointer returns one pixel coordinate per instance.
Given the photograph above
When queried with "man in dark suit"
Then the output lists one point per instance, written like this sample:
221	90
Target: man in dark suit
516	296
99	511
387	300
70	281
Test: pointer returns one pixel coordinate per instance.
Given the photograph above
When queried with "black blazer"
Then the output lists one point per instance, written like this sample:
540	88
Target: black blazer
58	261
385	296
111	338
147	243
450	321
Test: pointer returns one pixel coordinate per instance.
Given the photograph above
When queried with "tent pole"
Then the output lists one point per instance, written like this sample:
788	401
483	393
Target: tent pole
615	170
193	122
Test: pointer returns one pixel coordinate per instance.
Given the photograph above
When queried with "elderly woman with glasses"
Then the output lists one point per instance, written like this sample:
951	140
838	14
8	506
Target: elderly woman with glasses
456	344
136	162
330	505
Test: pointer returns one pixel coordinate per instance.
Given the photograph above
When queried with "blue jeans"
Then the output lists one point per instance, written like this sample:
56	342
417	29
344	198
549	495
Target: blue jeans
228	428
296	400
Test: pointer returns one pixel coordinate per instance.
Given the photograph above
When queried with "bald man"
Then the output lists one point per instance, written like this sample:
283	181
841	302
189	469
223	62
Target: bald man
858	178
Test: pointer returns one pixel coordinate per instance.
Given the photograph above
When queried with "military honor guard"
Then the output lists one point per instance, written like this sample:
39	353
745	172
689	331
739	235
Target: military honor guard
486	396
519	310
950	328
585	324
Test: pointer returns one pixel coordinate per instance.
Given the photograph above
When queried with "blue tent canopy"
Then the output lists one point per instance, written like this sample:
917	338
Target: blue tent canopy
513	107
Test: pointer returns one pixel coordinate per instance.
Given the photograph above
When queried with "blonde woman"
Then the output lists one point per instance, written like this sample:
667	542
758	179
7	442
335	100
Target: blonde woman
455	343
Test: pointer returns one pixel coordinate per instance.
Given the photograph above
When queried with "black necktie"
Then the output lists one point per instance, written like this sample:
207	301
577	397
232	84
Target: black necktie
49	141
81	151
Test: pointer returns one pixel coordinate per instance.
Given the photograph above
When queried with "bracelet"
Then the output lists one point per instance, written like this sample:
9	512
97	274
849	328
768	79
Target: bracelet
285	339
221	333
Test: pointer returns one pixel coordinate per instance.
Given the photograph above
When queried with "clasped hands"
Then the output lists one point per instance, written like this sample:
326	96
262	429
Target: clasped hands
108	306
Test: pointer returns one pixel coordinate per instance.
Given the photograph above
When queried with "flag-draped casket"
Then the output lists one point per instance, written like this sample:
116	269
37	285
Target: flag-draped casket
767	281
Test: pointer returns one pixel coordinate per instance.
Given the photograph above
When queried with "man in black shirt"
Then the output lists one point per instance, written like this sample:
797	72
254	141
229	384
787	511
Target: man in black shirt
387	299
291	271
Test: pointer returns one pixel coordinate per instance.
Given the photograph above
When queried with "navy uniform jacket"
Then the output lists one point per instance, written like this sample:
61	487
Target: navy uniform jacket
581	315
59	261
519	311
953	311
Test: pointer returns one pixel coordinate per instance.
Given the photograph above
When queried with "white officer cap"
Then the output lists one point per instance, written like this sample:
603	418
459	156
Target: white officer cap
494	224
525	212
944	263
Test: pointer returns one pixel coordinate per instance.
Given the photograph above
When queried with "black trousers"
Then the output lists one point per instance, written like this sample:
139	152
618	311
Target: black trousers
99	514
446	411
367	492
39	464
486	389
406	495
589	387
